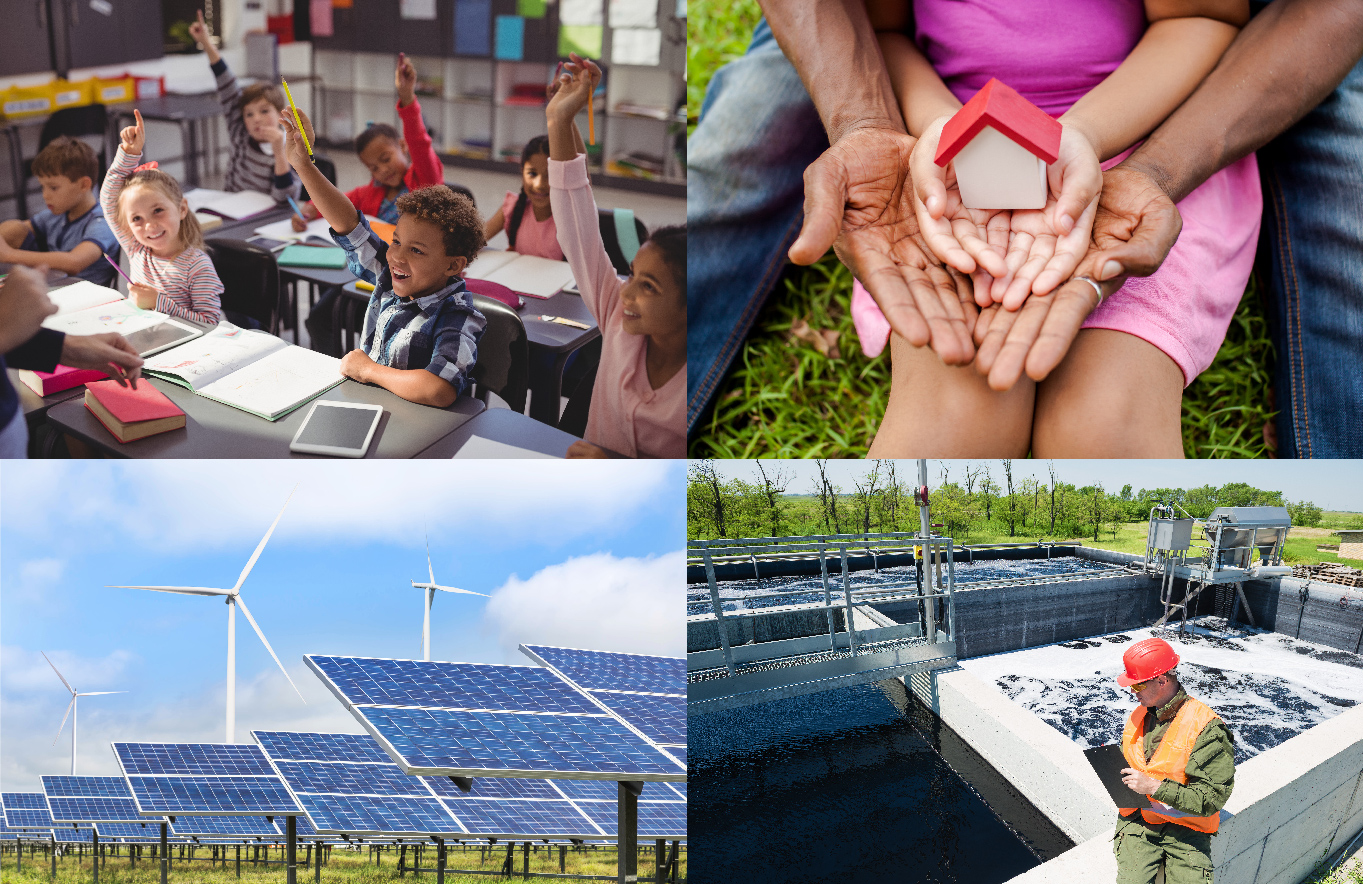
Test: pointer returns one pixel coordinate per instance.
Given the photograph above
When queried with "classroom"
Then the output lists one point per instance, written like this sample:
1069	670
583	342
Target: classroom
257	332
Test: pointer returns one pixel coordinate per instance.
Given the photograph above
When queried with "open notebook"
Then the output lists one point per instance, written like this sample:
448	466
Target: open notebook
318	231
84	308
524	274
250	370
241	204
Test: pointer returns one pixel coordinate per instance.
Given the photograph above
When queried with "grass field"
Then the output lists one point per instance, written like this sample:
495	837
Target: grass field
784	399
344	866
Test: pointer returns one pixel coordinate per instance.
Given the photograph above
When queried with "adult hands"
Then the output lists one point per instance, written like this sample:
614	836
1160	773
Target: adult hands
134	137
858	200
1135	225
108	352
24	305
1141	783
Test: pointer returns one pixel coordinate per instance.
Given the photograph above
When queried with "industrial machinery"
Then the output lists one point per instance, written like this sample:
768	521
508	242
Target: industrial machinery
1239	543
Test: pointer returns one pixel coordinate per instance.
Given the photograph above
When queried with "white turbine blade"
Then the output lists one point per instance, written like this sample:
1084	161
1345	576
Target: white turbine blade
64	717
98	693
59	675
264	540
183	590
429	567
453	589
266	642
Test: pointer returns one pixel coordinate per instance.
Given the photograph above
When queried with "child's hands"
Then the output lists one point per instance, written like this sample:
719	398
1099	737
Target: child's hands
294	148
133	138
143	295
356	365
199	31
405	79
578	80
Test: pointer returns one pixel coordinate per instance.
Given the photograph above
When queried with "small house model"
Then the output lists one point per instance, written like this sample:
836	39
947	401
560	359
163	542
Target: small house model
1000	143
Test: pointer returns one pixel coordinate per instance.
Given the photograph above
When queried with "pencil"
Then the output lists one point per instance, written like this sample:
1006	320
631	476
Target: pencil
297	211
591	117
563	320
125	276
297	119
364	286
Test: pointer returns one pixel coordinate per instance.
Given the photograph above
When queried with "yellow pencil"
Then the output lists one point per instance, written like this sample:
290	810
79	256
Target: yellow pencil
297	120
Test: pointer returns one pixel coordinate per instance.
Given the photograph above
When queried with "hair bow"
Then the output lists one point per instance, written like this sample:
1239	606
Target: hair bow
145	166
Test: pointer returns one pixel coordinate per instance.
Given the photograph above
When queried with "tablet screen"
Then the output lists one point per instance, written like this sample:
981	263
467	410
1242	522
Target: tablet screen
160	337
337	426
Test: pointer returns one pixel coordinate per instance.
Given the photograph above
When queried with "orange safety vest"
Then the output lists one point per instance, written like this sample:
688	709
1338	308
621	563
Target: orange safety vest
1169	761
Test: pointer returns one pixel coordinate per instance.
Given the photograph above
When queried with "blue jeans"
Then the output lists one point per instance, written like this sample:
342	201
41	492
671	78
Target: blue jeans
746	160
1311	248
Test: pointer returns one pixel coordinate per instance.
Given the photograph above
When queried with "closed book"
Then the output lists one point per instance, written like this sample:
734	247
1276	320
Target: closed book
132	414
312	256
63	377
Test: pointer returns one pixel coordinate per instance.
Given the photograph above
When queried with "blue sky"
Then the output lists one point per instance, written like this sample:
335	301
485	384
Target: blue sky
1330	484
575	554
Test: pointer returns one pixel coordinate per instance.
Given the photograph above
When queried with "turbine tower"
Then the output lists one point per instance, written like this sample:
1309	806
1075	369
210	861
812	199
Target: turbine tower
233	600
71	710
430	597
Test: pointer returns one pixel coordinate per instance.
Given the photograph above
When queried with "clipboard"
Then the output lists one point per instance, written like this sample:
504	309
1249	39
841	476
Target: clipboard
1108	762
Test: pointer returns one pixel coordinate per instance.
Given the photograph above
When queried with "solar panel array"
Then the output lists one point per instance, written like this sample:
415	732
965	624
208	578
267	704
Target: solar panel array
347	783
26	812
90	800
647	692
480	720
197	779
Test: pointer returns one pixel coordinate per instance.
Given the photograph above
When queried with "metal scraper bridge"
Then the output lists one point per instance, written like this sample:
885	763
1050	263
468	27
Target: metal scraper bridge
759	646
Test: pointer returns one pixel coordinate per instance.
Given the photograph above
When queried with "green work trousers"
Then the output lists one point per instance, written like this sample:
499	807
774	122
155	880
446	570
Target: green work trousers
1142	849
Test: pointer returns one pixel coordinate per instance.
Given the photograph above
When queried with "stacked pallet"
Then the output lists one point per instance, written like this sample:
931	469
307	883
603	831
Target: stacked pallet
1330	572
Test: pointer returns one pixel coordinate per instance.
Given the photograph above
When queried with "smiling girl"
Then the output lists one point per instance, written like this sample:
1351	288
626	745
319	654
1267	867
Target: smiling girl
638	400
152	221
527	217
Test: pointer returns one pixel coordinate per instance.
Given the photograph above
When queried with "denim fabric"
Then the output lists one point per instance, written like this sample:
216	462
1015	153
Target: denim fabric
1312	250
758	133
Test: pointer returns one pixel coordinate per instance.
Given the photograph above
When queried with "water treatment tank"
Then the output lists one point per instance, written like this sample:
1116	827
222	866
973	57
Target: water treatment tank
1264	526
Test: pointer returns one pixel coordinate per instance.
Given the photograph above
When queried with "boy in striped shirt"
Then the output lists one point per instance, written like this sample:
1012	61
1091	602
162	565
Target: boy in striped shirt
253	125
421	329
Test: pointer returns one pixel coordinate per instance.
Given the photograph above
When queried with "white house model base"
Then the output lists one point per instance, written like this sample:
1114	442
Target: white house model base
995	172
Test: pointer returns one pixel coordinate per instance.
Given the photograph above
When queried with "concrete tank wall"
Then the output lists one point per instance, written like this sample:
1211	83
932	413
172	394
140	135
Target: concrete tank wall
1324	613
703	635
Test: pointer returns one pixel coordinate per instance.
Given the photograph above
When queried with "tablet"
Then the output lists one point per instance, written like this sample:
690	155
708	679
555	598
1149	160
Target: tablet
162	336
340	429
1108	762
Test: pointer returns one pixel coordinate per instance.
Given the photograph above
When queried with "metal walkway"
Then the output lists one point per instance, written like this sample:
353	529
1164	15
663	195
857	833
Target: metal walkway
830	655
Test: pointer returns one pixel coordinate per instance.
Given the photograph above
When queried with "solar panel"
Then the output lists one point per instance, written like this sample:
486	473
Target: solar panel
151	830
226	825
73	836
184	779
465	719
26	811
485	817
321	747
90	799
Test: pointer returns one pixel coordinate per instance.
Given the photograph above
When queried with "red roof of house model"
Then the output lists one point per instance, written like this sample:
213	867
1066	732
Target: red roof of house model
1002	107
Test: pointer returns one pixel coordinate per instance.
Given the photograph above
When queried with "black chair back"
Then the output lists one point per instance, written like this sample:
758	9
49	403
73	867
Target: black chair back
250	279
73	122
611	240
459	188
325	165
574	417
503	365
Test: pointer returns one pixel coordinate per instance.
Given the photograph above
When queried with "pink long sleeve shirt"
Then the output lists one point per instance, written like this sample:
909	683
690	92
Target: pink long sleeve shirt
627	415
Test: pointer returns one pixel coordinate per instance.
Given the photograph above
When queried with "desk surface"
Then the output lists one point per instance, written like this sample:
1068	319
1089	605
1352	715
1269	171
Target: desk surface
214	430
172	107
505	425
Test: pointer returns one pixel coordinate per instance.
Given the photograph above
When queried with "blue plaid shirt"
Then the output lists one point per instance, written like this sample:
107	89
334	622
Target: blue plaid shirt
438	332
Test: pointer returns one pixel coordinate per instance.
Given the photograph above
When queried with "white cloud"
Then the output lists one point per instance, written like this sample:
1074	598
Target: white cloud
25	670
600	602
38	580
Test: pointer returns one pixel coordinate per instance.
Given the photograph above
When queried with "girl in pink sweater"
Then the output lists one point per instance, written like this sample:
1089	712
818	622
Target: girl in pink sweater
639	398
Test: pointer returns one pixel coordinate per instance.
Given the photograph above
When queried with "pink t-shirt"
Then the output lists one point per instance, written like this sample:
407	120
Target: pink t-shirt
532	237
1054	53
627	415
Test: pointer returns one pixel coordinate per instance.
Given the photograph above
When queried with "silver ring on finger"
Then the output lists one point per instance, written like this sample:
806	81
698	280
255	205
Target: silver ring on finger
1096	287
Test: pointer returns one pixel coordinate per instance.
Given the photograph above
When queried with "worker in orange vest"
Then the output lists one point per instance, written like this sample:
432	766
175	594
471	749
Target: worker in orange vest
1180	754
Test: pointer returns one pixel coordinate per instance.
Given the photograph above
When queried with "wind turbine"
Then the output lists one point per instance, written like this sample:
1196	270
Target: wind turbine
71	708
233	600
430	597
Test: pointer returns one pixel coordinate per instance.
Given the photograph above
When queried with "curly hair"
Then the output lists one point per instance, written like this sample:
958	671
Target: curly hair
672	241
256	91
191	234
66	156
452	212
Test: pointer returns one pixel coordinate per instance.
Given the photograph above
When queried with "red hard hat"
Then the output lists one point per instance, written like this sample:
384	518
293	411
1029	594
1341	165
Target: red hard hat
1145	660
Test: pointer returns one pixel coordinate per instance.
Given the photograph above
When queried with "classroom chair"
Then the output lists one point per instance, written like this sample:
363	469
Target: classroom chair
616	228
503	365
73	122
251	295
574	417
325	165
459	188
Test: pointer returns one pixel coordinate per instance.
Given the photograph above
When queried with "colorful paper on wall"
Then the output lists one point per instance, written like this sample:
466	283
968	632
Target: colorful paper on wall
472	27
417	10
585	40
510	38
320	11
634	13
641	46
531	8
580	12
342	4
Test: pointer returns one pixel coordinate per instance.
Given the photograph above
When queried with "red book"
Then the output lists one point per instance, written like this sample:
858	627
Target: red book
132	414
63	377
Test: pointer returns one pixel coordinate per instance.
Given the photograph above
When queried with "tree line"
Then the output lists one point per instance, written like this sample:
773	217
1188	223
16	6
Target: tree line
985	500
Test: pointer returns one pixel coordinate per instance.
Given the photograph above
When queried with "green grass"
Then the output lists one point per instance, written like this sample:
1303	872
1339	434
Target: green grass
783	399
344	867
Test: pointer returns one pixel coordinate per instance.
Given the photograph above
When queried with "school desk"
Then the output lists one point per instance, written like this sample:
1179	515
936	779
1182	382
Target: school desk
189	112
214	430
505	425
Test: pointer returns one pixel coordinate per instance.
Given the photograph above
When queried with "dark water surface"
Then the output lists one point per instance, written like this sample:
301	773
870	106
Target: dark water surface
836	786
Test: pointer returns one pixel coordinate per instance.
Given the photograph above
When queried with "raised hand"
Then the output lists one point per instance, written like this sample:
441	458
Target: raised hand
405	80
294	148
198	30
858	200
133	138
575	83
